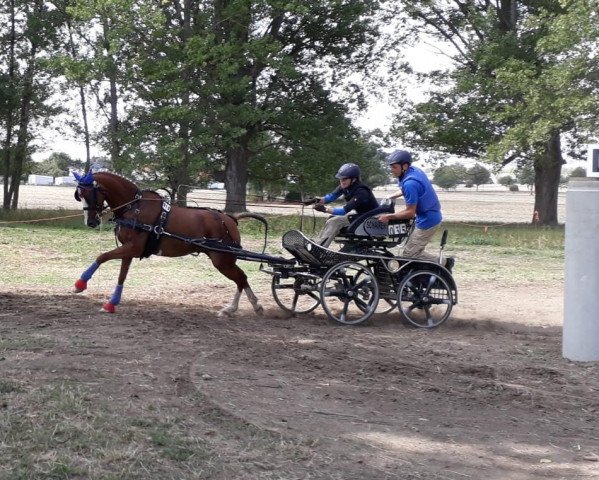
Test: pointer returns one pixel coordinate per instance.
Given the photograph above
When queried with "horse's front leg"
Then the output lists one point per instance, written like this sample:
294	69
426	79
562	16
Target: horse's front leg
116	295
126	253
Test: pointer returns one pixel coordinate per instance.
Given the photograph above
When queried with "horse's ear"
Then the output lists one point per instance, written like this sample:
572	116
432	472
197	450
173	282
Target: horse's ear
87	179
76	195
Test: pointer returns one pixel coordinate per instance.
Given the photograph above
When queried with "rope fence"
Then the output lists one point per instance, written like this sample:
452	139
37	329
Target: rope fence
483	212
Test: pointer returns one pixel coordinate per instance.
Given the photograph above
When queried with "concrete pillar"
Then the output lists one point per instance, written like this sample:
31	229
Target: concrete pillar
581	292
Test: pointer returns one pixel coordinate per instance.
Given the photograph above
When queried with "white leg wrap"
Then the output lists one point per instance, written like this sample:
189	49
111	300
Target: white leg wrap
254	301
232	308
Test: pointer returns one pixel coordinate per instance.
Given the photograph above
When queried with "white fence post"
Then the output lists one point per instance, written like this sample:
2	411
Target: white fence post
581	290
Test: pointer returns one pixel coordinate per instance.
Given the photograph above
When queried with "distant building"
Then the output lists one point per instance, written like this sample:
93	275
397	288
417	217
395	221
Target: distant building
40	180
68	180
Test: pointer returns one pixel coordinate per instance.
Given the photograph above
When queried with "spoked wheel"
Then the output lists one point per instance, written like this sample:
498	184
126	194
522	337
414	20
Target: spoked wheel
385	305
425	299
296	294
349	293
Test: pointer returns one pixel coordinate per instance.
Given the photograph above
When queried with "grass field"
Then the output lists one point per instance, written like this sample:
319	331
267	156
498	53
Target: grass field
164	389
458	206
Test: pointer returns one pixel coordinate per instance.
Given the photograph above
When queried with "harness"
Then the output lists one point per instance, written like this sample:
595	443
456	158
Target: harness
157	230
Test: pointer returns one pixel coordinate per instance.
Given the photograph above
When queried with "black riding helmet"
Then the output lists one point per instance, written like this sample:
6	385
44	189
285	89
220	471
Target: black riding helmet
399	156
348	170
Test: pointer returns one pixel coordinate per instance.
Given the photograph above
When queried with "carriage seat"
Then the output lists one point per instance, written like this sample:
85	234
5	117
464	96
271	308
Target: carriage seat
365	227
357	221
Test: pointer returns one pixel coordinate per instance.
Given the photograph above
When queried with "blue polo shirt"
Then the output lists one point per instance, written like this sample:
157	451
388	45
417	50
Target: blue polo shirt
418	190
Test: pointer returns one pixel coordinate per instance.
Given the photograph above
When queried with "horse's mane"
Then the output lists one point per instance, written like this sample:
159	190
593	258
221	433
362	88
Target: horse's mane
114	174
131	182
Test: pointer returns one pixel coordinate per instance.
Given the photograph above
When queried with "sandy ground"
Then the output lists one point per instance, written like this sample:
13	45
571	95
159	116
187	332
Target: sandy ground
487	395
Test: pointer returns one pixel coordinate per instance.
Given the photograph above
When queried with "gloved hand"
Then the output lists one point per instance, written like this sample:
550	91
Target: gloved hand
319	207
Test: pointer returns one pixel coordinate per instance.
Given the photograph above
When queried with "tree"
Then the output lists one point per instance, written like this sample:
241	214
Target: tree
506	181
523	78
223	84
578	172
449	176
27	26
478	175
57	165
525	175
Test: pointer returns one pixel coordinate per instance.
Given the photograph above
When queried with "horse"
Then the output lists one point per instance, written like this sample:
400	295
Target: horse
147	224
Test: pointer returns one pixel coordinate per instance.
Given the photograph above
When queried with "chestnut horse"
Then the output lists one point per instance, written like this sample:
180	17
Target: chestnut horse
146	224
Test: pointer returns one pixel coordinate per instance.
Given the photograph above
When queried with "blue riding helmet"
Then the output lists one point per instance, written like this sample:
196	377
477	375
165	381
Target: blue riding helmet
348	170
399	156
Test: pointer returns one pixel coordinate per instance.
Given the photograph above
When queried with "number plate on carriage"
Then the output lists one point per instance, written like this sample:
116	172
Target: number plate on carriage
397	229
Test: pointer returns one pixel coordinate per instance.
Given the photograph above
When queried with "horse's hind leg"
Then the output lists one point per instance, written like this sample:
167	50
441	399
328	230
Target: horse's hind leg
227	266
253	300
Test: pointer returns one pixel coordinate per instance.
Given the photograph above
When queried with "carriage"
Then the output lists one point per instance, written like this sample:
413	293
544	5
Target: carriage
365	276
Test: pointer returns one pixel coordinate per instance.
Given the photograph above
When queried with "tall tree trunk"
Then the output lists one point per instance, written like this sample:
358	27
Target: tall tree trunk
83	102
181	176
10	113
23	134
113	122
236	178
548	168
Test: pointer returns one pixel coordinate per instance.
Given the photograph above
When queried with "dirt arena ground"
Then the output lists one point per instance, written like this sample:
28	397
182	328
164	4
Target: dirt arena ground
488	395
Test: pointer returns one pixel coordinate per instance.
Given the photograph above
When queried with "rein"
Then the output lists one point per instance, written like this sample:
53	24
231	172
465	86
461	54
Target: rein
138	197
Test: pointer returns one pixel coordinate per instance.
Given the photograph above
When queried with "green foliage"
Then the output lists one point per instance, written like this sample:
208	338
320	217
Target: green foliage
449	176
56	165
238	87
521	81
478	175
525	175
578	172
506	180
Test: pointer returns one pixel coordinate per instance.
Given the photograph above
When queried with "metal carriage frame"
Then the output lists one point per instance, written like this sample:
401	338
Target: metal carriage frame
362	279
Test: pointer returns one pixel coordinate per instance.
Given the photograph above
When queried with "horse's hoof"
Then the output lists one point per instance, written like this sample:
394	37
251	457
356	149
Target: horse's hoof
259	310
80	285
108	308
225	312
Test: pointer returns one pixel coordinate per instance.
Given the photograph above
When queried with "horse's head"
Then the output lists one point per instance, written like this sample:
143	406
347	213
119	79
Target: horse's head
92	196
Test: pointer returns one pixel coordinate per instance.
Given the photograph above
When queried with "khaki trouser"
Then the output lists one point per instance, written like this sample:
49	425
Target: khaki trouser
419	239
331	228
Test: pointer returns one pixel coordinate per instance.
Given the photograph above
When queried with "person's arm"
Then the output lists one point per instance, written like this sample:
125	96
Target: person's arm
393	196
408	212
330	197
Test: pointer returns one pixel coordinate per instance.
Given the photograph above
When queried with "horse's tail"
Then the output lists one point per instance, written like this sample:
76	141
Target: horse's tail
256	216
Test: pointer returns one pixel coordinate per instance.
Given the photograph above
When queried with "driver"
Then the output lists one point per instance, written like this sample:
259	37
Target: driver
421	202
358	197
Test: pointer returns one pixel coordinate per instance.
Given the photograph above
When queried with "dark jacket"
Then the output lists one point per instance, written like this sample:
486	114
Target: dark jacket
359	197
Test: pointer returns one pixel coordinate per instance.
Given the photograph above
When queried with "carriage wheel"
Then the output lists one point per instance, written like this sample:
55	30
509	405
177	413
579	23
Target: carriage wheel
349	293
385	305
295	294
425	299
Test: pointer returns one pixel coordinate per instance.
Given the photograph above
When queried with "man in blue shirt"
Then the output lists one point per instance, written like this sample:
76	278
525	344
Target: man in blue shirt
358	196
421	202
